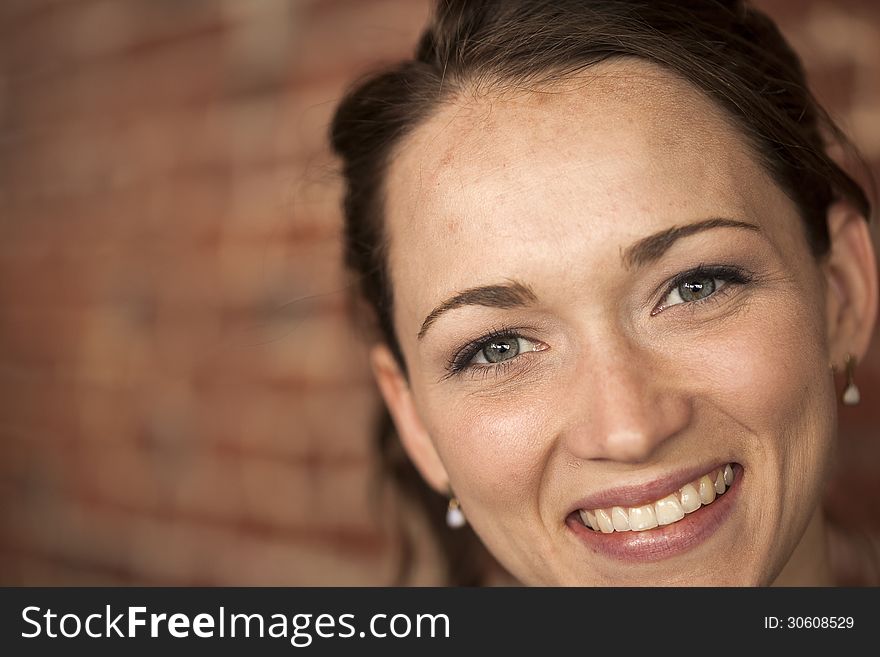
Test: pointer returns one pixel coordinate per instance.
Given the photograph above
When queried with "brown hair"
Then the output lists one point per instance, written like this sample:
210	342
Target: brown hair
730	51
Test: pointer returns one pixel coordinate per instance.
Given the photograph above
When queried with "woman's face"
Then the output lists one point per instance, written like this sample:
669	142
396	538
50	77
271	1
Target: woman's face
601	297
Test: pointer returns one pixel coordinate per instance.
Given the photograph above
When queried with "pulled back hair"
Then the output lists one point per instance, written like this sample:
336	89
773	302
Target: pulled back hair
730	51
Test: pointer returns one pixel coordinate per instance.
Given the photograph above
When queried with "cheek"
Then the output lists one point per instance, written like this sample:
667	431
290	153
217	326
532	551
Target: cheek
492	448
771	374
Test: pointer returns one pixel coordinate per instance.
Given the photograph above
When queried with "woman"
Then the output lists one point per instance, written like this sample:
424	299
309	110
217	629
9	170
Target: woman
614	272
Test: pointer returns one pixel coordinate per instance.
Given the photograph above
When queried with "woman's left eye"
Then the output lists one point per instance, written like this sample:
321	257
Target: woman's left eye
701	284
693	289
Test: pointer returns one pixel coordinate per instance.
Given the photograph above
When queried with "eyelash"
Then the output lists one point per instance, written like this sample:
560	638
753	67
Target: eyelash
726	273
460	362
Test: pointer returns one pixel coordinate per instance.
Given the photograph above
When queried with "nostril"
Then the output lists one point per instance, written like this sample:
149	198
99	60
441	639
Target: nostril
628	408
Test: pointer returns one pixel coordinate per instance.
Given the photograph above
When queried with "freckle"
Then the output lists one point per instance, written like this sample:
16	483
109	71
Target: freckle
447	158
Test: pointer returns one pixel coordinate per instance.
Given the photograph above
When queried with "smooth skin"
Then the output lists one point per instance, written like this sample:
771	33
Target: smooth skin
618	379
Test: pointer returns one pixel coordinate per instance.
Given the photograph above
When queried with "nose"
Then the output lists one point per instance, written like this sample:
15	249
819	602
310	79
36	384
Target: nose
628	402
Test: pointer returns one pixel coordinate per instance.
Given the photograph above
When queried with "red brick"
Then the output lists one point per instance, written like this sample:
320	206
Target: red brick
290	425
38	408
280	495
352	37
172	551
29	568
135	82
266	563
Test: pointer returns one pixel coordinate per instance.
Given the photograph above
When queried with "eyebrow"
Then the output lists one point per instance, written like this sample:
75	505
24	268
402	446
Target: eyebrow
509	295
515	294
651	248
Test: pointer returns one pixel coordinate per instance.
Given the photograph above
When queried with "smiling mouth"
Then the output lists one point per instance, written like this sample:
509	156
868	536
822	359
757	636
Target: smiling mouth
668	510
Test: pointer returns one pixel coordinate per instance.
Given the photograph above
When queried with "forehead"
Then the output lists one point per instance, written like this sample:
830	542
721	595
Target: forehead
491	185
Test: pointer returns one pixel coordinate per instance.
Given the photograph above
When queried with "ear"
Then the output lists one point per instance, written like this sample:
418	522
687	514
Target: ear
415	438
851	271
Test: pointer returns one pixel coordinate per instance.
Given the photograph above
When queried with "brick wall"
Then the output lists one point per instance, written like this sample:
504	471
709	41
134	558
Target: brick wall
181	399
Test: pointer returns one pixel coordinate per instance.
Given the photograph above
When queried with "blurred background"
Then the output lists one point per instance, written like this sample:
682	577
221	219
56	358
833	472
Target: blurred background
182	400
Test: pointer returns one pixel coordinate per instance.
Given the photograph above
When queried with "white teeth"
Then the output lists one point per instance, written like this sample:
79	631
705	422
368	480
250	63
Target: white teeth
642	518
690	498
665	511
668	510
585	518
707	490
620	519
604	519
591	519
719	483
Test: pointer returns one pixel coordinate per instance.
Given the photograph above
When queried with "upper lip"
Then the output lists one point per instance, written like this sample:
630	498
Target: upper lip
638	494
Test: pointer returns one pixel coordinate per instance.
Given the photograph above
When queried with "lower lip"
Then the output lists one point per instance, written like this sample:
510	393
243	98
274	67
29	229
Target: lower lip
666	541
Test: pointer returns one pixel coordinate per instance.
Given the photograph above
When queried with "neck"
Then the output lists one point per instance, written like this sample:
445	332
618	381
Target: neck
809	564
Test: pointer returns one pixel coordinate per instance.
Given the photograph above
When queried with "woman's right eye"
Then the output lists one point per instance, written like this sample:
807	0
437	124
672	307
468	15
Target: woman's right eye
500	349
492	352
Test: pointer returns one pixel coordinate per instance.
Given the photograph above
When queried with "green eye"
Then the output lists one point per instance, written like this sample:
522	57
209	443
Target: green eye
693	289
696	288
702	283
492	351
500	350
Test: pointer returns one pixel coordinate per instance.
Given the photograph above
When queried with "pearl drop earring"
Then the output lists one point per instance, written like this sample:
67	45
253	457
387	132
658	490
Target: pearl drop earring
454	515
851	395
